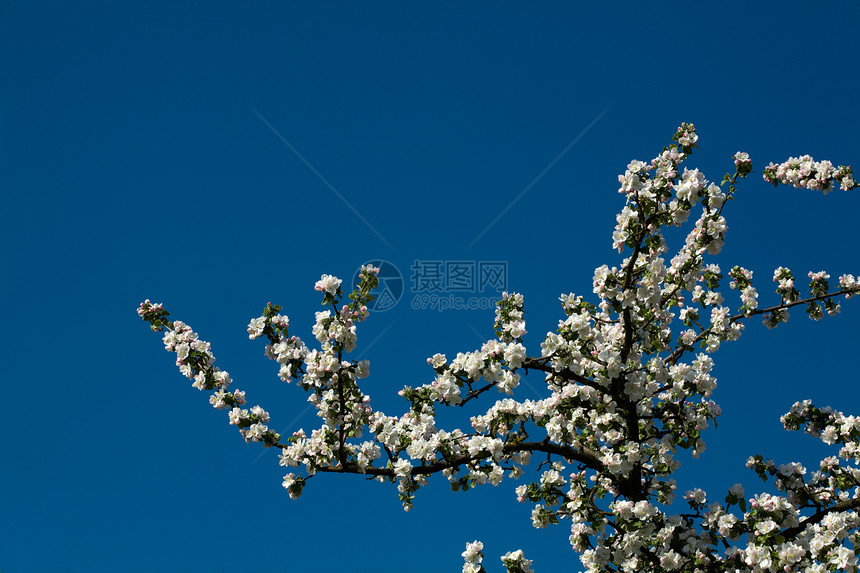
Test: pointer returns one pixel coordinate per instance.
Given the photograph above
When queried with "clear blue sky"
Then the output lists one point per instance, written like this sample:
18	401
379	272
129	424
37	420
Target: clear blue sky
133	165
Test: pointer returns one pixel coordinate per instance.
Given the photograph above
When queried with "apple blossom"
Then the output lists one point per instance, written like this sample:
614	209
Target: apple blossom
631	381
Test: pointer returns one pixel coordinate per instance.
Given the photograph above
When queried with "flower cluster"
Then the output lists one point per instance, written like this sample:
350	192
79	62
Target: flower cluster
630	380
473	555
328	284
154	314
819	287
806	173
509	317
742	281
196	361
743	163
686	137
819	302
516	562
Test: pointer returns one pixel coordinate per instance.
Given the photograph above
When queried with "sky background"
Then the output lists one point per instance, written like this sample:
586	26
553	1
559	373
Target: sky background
145	153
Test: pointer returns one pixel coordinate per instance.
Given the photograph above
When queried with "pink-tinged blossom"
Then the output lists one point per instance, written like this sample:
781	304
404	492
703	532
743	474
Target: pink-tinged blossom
328	283
255	327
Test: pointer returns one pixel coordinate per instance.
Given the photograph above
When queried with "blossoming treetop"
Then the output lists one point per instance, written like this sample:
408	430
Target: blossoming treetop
630	381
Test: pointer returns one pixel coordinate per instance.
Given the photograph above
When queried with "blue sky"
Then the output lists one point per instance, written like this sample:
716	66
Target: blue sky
140	157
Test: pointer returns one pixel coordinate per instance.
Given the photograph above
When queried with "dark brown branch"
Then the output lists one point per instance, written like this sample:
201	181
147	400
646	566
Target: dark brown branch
816	517
633	483
681	349
584	457
541	365
475	393
626	318
791	304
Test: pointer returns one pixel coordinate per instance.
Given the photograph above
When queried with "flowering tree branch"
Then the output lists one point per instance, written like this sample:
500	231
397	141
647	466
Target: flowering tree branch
629	387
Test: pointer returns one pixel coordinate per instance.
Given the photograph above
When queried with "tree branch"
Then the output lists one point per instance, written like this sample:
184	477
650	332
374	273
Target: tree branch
567	452
816	517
